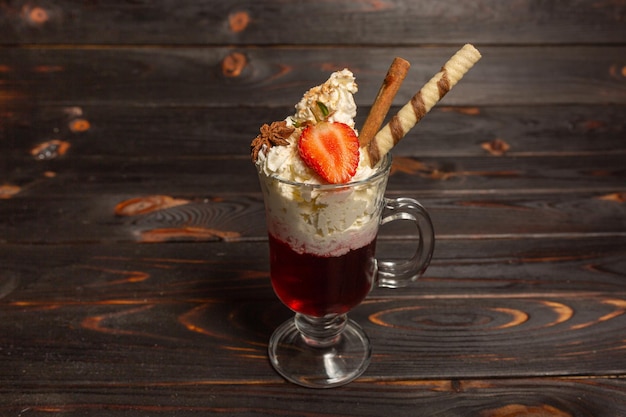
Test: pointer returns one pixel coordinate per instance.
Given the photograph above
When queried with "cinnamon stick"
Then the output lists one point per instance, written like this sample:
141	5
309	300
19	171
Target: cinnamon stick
422	102
388	90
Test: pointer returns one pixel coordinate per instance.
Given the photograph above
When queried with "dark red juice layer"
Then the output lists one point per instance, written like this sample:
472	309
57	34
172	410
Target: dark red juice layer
320	285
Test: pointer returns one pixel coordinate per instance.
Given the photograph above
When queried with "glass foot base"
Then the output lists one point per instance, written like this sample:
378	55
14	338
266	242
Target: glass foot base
319	365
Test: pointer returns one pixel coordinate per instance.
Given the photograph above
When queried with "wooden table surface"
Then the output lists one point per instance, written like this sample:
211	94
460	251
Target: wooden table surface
133	252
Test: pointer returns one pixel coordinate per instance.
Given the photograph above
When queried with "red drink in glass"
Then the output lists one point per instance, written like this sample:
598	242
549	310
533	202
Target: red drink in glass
322	239
321	285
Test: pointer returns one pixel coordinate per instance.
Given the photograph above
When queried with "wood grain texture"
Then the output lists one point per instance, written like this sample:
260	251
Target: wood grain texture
134	267
417	337
209	177
278	76
129	313
95	273
554	397
225	217
177	132
214	22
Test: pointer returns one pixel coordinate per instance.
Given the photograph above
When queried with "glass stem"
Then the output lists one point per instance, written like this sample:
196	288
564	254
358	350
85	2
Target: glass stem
321	331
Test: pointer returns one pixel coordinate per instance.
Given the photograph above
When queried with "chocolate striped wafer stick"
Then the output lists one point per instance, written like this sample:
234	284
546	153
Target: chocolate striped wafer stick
421	103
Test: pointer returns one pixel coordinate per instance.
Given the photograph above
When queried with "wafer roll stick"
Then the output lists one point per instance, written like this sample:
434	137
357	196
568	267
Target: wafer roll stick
388	90
422	102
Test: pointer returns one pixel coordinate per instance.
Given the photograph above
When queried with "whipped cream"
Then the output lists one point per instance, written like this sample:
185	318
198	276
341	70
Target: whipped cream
302	211
337	95
323	220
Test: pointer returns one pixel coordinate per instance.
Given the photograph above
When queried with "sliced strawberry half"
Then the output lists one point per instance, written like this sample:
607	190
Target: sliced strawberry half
331	149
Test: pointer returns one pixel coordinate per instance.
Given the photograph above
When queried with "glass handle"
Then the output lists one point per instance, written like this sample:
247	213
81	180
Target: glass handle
400	273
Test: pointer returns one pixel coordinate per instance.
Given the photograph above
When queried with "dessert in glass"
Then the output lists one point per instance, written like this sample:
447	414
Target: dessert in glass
324	192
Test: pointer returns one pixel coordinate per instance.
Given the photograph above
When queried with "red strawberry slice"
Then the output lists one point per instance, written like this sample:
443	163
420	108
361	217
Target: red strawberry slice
331	149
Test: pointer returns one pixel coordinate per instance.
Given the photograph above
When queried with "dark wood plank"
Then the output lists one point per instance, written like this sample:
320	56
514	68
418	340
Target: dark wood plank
115	131
571	397
228	272
94	217
419	337
207	177
129	104
406	22
279	76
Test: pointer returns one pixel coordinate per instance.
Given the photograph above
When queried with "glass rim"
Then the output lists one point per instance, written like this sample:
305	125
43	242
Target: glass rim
383	169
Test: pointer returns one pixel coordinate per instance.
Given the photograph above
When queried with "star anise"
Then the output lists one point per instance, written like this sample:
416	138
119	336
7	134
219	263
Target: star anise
275	134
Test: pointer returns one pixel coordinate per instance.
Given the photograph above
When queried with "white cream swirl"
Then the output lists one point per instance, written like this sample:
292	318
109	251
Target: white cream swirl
326	223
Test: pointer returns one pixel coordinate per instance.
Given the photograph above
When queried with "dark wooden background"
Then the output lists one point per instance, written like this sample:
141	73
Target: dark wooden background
133	270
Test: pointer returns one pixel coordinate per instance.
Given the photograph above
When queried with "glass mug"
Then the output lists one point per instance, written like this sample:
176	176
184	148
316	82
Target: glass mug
322	241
